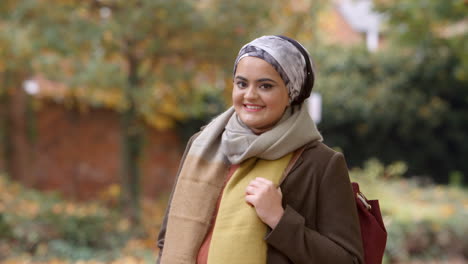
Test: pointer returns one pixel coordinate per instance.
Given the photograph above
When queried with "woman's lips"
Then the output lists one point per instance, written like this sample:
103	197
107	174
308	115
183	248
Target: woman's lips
253	108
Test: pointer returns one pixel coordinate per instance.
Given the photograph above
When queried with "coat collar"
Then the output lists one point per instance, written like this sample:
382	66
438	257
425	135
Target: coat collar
296	160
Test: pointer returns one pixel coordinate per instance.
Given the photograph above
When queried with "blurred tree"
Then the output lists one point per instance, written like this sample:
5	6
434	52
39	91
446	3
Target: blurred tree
408	102
425	27
16	53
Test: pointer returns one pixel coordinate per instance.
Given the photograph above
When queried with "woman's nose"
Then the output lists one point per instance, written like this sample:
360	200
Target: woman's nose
251	93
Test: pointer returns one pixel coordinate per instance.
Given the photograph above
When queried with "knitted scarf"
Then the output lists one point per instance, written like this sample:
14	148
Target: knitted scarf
203	173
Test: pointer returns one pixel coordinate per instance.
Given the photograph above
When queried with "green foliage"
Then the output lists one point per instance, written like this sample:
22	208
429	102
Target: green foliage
5	228
428	26
456	179
393	106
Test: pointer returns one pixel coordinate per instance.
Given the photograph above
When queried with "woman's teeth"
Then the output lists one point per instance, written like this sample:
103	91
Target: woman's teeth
253	107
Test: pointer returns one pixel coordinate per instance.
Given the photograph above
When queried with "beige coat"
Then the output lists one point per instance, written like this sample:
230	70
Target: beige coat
320	223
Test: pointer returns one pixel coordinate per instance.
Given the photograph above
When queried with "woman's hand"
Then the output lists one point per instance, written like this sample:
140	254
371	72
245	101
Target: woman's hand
266	198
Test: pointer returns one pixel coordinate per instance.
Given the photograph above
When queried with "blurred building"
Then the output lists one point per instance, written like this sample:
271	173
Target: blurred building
352	22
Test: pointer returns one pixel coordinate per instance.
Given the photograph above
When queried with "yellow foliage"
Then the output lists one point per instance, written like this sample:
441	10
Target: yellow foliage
171	108
112	99
108	36
83	12
14	201
123	225
160	122
161	13
111	192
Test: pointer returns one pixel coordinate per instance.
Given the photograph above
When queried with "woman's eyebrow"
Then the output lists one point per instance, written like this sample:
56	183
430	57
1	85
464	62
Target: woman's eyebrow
259	80
242	78
266	80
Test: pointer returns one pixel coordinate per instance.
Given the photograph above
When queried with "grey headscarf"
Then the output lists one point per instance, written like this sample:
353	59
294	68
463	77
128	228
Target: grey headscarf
283	56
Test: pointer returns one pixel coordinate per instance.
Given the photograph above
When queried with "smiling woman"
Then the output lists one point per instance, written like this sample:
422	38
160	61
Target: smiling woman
257	185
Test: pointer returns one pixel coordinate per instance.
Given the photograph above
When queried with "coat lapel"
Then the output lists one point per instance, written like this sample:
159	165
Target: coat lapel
296	160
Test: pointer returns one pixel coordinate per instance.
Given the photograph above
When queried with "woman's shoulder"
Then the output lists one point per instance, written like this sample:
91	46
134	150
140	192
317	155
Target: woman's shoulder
319	149
319	153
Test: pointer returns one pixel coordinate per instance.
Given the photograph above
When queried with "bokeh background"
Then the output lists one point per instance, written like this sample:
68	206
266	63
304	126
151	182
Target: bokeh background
98	97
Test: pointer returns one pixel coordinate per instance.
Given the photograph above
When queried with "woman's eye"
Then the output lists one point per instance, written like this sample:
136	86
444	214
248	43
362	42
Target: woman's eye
266	86
241	84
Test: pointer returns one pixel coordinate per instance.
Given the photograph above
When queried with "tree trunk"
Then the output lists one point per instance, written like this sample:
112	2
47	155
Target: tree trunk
15	145
5	125
131	149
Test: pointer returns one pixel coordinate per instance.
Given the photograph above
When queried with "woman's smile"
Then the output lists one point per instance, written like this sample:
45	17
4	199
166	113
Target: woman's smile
253	107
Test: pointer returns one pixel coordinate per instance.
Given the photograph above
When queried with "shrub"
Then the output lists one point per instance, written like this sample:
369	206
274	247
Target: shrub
395	106
31	221
423	220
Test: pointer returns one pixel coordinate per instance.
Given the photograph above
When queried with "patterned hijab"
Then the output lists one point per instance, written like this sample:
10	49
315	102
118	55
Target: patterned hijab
285	58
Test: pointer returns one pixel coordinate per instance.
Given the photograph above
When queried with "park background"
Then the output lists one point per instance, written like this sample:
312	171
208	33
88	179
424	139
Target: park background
98	97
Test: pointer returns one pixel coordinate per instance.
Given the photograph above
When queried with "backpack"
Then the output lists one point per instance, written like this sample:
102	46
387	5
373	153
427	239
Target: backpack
373	232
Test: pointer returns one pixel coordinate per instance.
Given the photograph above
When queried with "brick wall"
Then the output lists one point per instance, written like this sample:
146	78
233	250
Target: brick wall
78	153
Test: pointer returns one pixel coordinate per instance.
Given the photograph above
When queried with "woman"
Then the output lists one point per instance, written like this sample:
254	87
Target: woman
257	185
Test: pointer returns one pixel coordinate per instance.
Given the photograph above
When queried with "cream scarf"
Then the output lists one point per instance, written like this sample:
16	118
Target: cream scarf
224	141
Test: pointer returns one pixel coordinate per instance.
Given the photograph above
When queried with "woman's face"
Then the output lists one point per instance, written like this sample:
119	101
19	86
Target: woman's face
259	95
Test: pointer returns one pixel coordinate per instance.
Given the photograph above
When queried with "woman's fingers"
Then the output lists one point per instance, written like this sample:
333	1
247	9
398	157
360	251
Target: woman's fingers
255	183
250	189
266	198
263	180
260	185
250	199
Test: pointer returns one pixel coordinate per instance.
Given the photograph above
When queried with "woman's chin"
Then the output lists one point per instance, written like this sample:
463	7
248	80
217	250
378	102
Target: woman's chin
257	129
